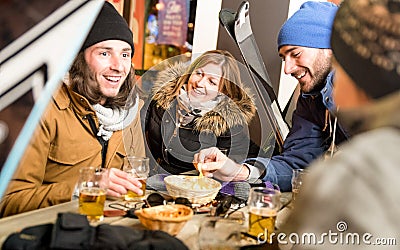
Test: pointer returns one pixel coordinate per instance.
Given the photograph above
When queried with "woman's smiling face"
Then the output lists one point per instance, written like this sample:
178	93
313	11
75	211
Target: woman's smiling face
203	83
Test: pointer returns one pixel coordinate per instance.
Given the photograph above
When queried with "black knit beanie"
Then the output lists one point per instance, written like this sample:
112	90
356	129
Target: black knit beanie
109	25
366	43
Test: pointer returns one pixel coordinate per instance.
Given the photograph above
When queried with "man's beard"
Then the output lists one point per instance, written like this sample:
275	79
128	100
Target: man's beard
94	85
322	67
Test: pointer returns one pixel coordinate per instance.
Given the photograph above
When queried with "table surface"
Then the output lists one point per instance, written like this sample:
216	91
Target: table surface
188	234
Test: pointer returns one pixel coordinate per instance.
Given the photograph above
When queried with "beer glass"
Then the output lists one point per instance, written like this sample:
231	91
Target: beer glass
297	181
93	185
264	204
139	168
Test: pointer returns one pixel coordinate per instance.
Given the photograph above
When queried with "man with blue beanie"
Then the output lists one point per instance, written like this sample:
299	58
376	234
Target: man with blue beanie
304	46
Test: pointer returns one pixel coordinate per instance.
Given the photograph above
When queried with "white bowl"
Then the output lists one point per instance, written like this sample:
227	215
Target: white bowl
198	190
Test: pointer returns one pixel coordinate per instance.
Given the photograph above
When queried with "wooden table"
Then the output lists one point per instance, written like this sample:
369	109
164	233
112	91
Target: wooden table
188	235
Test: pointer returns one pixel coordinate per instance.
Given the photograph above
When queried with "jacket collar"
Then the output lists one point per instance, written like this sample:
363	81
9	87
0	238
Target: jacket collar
325	92
66	97
62	97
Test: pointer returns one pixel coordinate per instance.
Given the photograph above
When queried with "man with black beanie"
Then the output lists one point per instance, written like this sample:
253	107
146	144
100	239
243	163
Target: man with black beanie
93	120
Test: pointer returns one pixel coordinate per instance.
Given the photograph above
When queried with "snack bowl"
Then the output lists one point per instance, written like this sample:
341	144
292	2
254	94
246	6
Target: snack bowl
198	190
167	218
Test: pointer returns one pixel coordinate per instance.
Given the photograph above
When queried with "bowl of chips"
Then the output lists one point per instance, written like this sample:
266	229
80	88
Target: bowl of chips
167	218
198	190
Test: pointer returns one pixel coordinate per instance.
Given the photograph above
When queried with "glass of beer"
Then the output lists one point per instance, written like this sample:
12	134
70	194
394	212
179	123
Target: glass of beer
297	181
264	204
139	168
93	185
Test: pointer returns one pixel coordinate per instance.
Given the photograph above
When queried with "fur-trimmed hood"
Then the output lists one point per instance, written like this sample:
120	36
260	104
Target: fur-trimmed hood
225	115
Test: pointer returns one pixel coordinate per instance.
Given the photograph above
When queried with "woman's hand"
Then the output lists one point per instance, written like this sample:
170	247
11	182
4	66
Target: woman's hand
216	164
121	182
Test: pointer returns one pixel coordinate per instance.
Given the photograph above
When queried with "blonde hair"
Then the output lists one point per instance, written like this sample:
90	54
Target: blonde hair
230	84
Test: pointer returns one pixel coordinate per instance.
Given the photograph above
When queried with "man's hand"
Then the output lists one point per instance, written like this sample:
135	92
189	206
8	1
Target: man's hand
213	163
121	182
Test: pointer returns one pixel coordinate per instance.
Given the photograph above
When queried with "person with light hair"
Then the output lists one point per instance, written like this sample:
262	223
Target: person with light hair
197	105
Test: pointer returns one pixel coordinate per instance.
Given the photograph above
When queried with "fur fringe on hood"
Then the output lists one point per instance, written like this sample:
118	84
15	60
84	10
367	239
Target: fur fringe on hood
225	115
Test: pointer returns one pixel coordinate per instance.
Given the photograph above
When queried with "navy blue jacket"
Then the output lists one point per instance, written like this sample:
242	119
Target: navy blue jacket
308	138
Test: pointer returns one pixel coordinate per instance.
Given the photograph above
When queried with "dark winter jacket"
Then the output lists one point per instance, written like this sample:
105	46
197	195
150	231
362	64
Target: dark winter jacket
308	138
173	146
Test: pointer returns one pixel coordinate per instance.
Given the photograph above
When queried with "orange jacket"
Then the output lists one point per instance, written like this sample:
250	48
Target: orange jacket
61	145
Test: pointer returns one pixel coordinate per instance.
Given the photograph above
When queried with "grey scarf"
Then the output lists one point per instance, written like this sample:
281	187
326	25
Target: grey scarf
114	119
188	109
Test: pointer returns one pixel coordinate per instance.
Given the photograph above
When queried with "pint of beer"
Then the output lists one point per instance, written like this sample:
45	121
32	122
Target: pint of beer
139	168
264	204
91	203
93	184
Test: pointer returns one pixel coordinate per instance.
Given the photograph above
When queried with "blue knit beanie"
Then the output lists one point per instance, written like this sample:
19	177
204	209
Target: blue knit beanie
310	26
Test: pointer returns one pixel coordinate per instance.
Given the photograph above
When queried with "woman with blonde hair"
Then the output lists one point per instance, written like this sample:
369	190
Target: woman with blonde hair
198	106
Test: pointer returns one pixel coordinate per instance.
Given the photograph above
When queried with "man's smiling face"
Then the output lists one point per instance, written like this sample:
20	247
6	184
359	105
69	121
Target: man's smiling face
109	62
309	66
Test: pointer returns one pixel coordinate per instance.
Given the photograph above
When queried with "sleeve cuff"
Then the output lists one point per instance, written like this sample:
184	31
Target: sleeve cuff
255	172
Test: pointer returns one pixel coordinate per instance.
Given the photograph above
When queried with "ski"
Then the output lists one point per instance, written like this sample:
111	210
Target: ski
238	26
